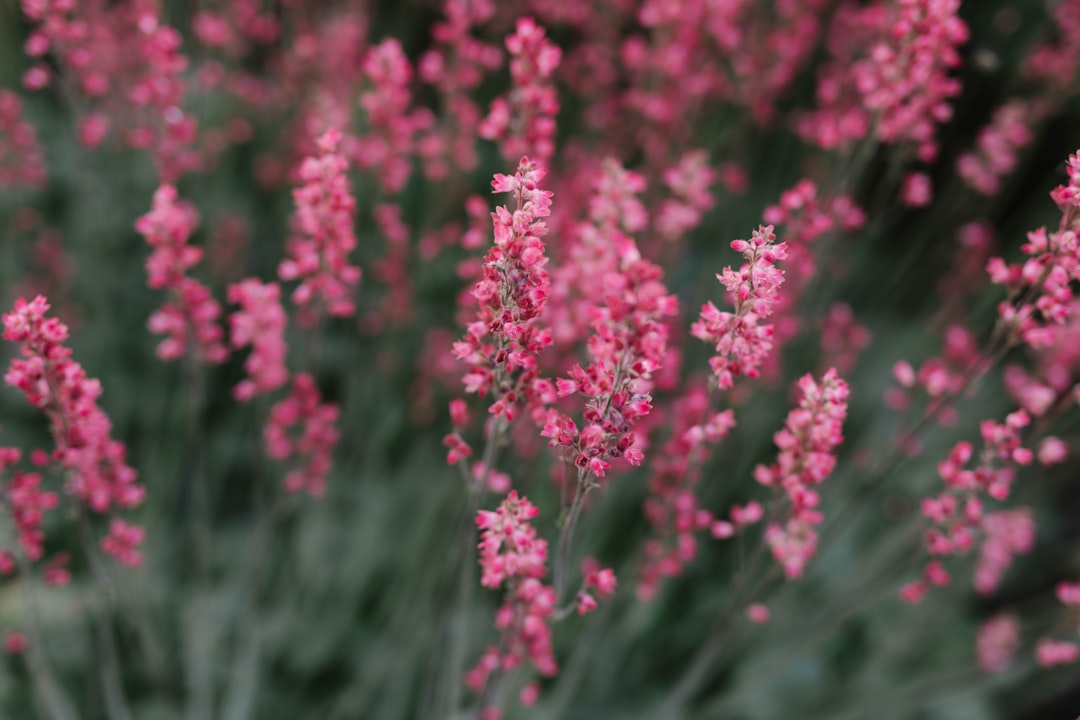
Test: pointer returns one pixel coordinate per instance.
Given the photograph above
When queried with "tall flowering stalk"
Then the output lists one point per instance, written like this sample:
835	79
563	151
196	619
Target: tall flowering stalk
310	449
1050	651
524	120
27	502
673	508
260	323
628	344
807	457
500	349
743	344
1040	289
514	557
323	223
98	475
501	345
741	340
889	74
189	320
22	163
957	515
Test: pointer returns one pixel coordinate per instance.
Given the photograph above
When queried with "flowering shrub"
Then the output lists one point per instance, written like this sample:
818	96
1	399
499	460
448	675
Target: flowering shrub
260	258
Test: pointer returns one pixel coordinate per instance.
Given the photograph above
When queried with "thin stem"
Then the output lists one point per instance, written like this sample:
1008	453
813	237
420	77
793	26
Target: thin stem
240	697
708	653
476	487
494	691
51	693
566	535
200	505
111	678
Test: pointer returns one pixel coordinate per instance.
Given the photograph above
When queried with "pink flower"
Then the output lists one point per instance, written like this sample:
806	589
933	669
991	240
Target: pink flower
190	318
758	613
310	449
1056	652
260	323
1007	534
500	347
97	472
998	144
28	504
323	226
512	555
889	72
740	339
15	643
1040	288
997	642
957	514
22	163
1052	450
524	120
916	190
123	541
807	445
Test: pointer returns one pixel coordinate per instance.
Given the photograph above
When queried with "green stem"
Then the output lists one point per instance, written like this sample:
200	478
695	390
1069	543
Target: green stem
49	691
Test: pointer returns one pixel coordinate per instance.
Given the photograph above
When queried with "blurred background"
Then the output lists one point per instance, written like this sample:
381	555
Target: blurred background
347	606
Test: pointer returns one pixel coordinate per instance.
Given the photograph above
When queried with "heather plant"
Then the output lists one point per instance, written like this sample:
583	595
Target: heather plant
596	359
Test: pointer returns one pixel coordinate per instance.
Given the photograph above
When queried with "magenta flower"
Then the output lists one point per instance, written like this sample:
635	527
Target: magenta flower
190	318
500	347
512	555
324	238
260	323
21	161
310	449
742	342
97	472
524	120
807	457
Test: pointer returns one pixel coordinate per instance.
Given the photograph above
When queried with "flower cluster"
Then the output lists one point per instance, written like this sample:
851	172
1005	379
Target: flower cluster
1040	292
525	120
500	347
387	145
588	252
128	64
1055	61
1050	652
998	145
21	161
997	642
672	508
512	554
957	514
323	221
27	502
1006	534
311	449
802	219
156	92
456	65
97	472
597	581
889	74
628	344
941	378
689	181
260	323
807	457
190	319
741	340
